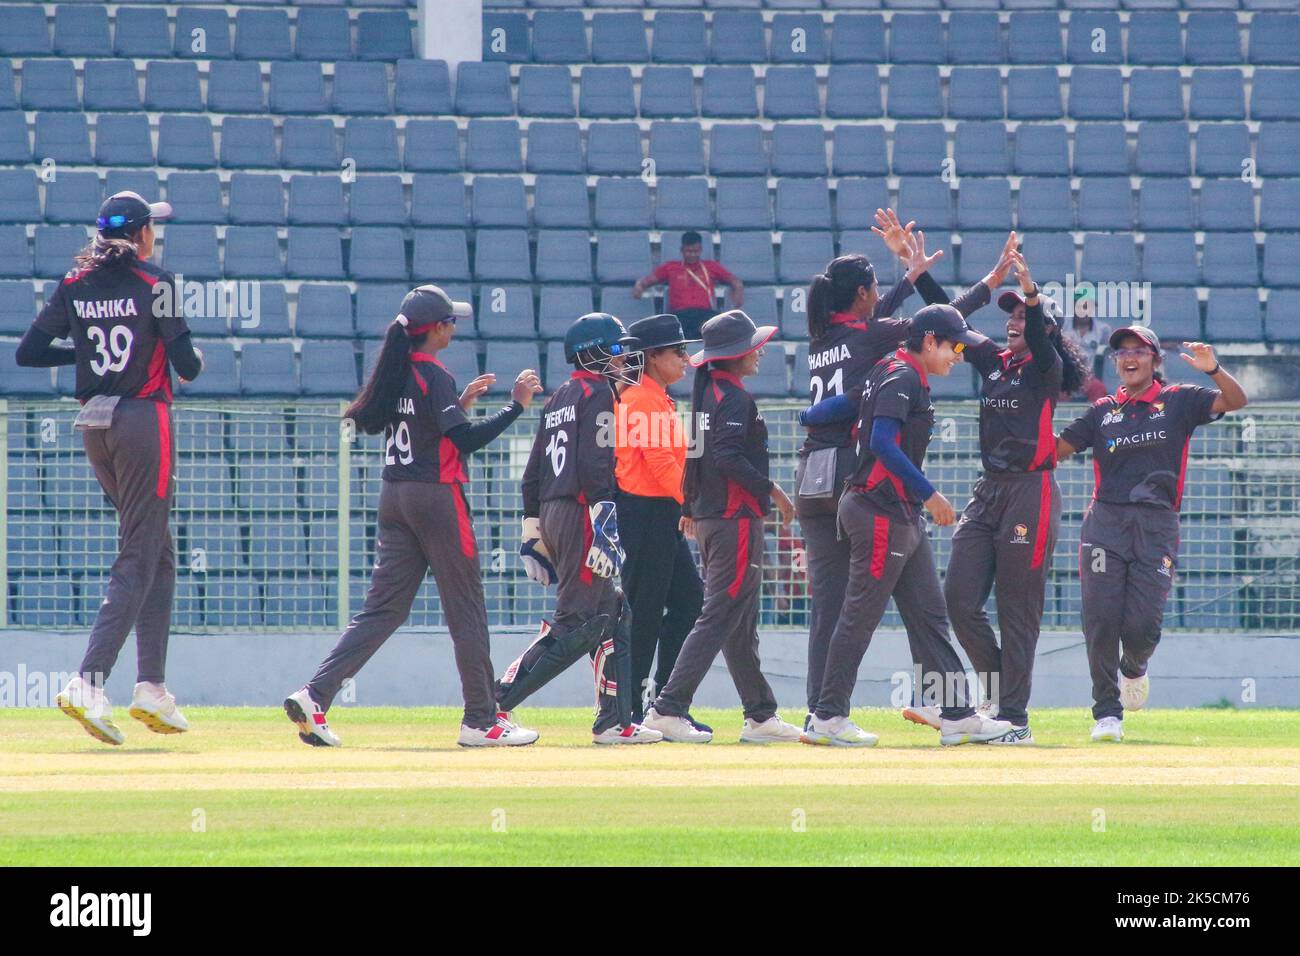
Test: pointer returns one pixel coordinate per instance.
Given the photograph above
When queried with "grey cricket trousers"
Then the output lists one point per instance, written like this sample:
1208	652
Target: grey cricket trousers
1003	544
828	577
135	460
891	557
422	527
731	550
1128	557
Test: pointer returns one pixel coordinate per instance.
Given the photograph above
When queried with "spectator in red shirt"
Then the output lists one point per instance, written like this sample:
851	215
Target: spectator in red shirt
691	285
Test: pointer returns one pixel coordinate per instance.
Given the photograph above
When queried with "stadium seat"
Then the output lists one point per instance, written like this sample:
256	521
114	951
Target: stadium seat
729	92
1096	93
308	143
17	306
1052	254
144	182
1094	38
545	91
73	197
803	204
563	256
853	92
506	36
605	92
677	149
192	250
110	85
975	92
622	256
498	201
1041	150
1035	37
1213	38
507	359
1229	258
622	204
483	89
49	85
384	35
742	203
248	143
256	199
218	376
1278	149
16	255
142	33
323	34
184	141
1165	204
1217	95
1280	255
1155	38
506	311
614	149
324	311
736	149
1109	258
1044	203
1155	94
559	36
790	92
235	87
559	306
262	35
979	252
20	199
1233	315
984	204
65	138
982	149
502	255
553	148
8	94
928	201
25	33
1229	204
798	149
202	33
1279	320
917	38
123	140
1221	148
378	254
1164	149
328	368
797	38
1105	203
1272	95
1274	40
737	37
423	87
1279	207
438	200
378	201
266	368
1170	259
749	255
272	317
252	252
376	306
858	38
493	146
919	148
1175	314
314	252
445	254
618	38
617	300
560	202
316	201
431	146
856	202
804	255
1100	149
914	93
297	87
859	151
679	37
361	89
682	204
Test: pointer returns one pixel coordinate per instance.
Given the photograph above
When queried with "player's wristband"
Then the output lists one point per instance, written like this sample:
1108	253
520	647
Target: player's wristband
1215	371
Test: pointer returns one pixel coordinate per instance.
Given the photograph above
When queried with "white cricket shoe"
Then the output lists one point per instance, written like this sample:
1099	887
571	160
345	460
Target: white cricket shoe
837	732
88	705
631	734
676	730
988	709
925	716
774	730
154	707
974	729
1108	728
504	733
1017	735
1134	691
313	728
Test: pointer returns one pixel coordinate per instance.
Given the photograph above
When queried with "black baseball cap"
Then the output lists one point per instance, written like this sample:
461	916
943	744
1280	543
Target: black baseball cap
427	305
1008	301
944	322
1141	331
123	213
659	331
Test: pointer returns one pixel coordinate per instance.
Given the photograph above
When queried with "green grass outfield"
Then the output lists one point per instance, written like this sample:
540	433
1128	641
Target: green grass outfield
1188	787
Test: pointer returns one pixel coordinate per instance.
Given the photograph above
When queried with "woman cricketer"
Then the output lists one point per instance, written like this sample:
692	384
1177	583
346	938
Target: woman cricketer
1007	533
1128	549
127	334
424	519
727	497
659	577
890	556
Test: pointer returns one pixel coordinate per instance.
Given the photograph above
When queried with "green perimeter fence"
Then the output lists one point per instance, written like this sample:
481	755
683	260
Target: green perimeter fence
275	520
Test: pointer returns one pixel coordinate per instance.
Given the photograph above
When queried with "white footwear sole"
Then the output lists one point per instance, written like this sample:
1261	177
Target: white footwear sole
1019	736
105	731
825	740
306	733
956	740
918	716
499	742
646	736
155	721
759	741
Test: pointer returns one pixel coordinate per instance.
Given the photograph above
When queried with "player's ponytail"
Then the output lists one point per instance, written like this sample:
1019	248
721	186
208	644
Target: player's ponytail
102	252
835	290
376	404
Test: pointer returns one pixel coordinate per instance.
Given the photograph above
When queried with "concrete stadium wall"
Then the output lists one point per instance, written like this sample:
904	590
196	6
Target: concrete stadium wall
416	668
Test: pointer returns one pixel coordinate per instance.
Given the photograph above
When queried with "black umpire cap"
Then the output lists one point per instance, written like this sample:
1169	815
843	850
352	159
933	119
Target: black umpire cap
125	212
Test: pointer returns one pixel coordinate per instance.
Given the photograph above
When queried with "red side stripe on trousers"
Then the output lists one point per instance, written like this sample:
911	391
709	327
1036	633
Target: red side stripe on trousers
164	448
742	556
879	546
468	545
1044	517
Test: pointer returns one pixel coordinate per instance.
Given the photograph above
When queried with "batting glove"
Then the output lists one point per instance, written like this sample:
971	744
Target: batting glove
537	560
606	557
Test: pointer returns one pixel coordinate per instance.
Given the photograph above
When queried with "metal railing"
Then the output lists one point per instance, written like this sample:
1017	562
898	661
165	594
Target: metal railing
275	514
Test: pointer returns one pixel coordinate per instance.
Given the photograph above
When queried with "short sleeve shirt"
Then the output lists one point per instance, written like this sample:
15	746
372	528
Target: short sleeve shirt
416	446
692	287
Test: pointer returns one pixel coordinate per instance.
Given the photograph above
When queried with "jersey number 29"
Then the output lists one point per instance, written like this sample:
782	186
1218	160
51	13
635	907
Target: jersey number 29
399	437
112	351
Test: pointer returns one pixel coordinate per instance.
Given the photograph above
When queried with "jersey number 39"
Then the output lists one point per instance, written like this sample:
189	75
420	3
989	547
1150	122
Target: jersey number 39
112	351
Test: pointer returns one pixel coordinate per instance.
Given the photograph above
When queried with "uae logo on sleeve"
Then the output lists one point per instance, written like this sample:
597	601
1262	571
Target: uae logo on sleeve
1021	534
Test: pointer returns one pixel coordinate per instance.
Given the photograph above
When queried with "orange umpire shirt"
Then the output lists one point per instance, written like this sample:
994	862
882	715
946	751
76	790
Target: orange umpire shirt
650	444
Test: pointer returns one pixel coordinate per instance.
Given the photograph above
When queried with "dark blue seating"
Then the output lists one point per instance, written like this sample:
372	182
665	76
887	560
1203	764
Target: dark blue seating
790	92
1165	204
1094	38
266	368
737	149
297	87
563	256
248	143
1105	203
1164	149
498	201
384	35
614	149
323	33
1100	149
1155	38
252	252
1045	203
1229	204
729	91
110	85
1234	315
202	33
492	146
606	92
142	32
975	92
742	203
622	256
256	199
314	252
553	148
1230	259
1041	150
798	38
982	149
325	312
928	201
422	87
262	35
20	200
1155	94
1170	259
545	91
502	255
184	141
361	88
483	89
50	85
914	92
859	151
677	149
798	149
73	197
123	140
853	92
1109	258
737	37
679	37
1221	148
377	254
682	204
316	201
431	146
858	38
1096	93
618	38
559	36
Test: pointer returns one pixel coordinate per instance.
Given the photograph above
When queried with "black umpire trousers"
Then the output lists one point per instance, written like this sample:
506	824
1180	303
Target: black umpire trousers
662	587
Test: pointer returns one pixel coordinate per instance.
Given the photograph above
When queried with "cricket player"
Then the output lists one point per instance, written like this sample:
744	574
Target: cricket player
1128	548
424	520
890	554
728	496
127	335
570	533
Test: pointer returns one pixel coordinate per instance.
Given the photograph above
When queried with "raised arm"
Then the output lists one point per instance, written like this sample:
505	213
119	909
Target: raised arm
1231	395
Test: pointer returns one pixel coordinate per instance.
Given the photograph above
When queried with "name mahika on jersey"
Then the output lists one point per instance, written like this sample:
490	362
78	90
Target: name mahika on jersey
839	353
569	413
104	308
406	406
